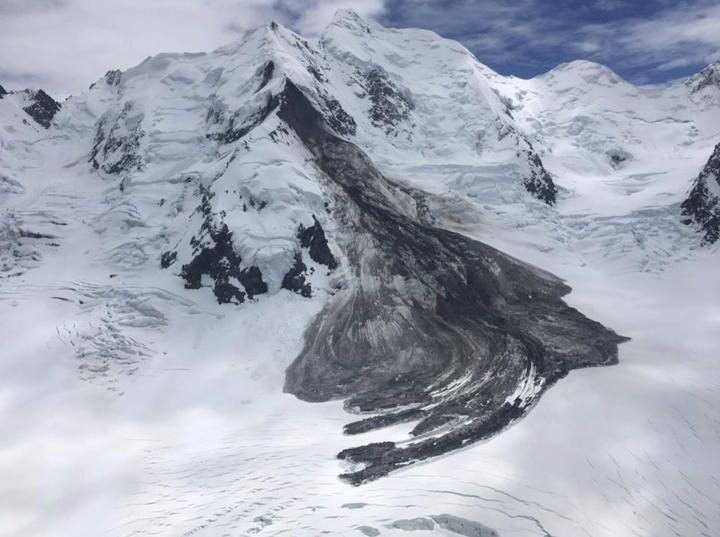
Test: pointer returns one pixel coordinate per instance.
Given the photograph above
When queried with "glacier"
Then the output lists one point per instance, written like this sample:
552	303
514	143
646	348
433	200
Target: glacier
343	218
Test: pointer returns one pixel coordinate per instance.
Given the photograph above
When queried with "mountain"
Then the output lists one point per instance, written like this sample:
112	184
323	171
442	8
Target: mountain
35	103
357	221
702	205
706	82
244	171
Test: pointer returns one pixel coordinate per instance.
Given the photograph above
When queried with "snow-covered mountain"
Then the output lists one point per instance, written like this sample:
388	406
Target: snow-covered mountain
192	236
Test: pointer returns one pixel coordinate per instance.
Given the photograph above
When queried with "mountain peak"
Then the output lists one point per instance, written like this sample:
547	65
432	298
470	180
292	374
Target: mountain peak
585	70
709	76
351	19
583	66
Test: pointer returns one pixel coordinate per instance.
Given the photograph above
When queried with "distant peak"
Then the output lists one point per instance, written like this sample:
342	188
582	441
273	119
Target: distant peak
585	69
709	76
349	18
346	13
257	37
582	65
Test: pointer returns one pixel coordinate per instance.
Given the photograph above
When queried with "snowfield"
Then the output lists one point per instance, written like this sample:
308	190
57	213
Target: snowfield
131	405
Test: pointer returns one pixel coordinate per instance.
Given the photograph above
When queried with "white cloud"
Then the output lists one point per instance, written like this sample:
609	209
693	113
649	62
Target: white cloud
311	17
684	35
64	45
588	46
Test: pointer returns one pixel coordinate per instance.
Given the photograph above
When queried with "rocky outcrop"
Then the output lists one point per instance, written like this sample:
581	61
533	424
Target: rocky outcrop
435	327
338	119
167	259
214	256
113	77
618	158
702	206
535	178
313	238
235	127
42	108
116	147
294	279
266	75
389	105
538	181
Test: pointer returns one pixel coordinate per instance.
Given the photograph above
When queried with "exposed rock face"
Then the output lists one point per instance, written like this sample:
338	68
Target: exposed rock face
435	327
113	77
538	181
389	105
702	206
167	259
618	157
454	524
314	239
3	92
232	131
116	148
412	524
215	257
267	74
463	526
294	279
340	121
42	107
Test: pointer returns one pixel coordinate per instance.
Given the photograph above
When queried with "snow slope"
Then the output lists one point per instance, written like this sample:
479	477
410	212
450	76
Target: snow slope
131	405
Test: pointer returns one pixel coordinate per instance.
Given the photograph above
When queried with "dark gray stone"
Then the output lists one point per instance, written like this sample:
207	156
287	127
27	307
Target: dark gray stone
538	181
42	107
167	259
294	279
440	308
267	73
702	207
214	255
389	104
116	147
463	526
413	524
313	238
234	132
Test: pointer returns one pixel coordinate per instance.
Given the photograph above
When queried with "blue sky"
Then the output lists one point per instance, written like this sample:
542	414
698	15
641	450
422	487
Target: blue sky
643	41
64	45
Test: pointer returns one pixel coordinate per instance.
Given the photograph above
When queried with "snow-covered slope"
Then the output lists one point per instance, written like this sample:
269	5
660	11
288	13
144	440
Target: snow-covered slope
426	100
191	235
